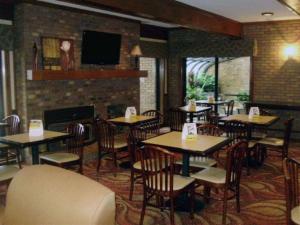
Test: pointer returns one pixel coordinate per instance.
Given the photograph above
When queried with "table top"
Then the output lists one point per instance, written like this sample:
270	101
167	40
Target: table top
24	139
211	103
198	109
256	120
201	145
131	120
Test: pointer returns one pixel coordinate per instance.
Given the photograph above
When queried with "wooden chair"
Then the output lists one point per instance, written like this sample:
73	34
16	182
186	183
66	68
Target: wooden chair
291	178
227	179
239	131
108	141
134	140
228	110
13	127
278	144
157	124
161	182
74	152
200	162
176	119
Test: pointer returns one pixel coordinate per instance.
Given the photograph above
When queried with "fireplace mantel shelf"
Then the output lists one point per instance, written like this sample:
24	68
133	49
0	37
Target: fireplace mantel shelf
86	74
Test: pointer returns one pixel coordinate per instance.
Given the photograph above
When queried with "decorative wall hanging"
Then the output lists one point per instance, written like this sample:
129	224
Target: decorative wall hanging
58	53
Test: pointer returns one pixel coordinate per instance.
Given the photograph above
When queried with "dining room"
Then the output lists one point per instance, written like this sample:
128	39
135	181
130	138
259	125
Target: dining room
169	112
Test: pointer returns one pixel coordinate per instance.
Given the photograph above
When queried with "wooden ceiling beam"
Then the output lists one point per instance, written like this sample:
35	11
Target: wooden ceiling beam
169	11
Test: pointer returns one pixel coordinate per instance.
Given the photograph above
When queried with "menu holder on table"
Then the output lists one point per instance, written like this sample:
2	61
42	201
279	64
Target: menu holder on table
36	128
253	112
130	111
189	131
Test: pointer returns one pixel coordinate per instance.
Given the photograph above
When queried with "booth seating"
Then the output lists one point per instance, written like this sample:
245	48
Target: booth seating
44	194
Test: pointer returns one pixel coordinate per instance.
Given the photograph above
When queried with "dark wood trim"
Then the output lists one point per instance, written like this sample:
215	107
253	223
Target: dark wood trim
154	32
157	83
86	74
270	22
274	105
183	80
216	78
170	12
6	11
251	97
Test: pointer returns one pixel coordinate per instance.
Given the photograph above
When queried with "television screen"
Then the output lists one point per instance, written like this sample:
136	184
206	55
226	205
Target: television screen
100	48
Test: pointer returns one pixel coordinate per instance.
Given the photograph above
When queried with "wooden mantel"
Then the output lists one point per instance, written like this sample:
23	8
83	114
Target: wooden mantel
86	74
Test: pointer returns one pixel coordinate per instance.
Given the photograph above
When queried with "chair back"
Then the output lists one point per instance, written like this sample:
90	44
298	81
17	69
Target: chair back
13	122
234	163
236	130
176	119
209	129
291	179
287	135
105	133
134	141
152	126
229	108
75	143
157	178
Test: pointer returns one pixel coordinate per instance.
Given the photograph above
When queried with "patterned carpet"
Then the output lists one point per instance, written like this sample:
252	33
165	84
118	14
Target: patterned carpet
262	197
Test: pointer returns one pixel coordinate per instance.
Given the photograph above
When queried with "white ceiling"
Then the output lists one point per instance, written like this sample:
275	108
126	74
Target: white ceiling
244	10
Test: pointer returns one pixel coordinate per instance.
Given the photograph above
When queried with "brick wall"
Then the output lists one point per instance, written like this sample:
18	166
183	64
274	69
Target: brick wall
148	84
276	79
6	37
188	43
36	96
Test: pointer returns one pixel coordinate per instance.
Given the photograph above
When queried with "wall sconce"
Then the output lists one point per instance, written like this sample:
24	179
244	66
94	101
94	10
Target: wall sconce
290	51
136	52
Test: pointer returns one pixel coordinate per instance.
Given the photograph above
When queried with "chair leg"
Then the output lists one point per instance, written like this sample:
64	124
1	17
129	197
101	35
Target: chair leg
172	211
237	196
99	161
248	161
206	194
143	209
224	207
131	184
192	201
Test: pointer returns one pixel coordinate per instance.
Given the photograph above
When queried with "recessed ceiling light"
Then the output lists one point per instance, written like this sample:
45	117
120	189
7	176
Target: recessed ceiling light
267	14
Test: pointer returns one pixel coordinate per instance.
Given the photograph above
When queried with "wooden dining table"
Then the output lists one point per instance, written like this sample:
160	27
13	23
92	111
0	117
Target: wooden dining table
21	141
213	104
132	120
198	109
202	145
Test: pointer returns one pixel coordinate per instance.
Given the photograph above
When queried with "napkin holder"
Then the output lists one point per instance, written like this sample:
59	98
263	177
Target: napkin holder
189	131
36	128
130	111
192	105
253	112
211	99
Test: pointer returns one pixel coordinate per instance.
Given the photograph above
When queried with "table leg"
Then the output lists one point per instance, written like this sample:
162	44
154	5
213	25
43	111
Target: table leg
182	202
35	154
191	117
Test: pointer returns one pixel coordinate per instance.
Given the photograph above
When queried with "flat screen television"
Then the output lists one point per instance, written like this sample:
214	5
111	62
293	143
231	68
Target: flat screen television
100	48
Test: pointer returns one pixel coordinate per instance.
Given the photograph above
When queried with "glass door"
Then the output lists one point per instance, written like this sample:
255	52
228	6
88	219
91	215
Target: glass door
200	79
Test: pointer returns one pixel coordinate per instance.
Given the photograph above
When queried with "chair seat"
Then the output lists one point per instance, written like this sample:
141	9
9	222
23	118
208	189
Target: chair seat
120	141
258	135
138	165
3	146
164	130
252	143
7	172
295	215
271	141
200	162
60	157
212	175
179	182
